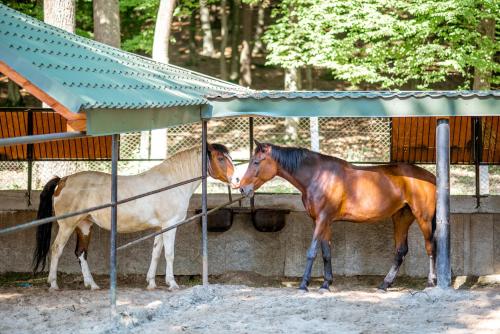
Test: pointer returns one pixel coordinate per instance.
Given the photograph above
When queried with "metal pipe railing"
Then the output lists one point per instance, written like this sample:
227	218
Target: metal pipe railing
33	139
38	222
182	222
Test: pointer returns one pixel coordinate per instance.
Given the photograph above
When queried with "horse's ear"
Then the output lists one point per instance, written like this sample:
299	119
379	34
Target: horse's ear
259	147
210	148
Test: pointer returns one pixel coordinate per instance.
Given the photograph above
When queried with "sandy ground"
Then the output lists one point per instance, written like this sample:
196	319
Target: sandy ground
355	307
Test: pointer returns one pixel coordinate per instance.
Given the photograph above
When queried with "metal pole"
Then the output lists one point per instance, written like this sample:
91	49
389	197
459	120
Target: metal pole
477	157
40	138
204	230
250	130
114	198
29	156
443	203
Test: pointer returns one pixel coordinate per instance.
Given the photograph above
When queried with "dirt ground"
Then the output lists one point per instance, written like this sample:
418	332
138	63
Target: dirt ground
247	303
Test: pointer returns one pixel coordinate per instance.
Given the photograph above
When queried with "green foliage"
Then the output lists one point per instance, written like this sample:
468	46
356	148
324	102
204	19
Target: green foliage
84	18
29	7
387	43
138	19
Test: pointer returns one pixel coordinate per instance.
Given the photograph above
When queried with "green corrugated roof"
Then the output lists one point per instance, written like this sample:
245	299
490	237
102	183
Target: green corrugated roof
85	75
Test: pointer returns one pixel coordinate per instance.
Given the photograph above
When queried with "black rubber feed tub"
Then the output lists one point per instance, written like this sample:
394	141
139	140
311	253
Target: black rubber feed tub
269	220
219	221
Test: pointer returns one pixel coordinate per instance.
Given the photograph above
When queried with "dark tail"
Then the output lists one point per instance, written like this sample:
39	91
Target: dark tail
43	232
433	236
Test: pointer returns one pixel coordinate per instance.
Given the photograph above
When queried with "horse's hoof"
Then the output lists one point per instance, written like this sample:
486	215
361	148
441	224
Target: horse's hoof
95	287
53	288
173	286
151	286
431	284
303	289
324	290
382	287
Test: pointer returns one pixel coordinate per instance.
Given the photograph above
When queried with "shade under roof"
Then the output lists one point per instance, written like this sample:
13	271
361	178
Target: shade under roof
105	90
84	75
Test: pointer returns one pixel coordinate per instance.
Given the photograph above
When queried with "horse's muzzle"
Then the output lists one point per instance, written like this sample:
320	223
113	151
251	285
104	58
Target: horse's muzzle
247	191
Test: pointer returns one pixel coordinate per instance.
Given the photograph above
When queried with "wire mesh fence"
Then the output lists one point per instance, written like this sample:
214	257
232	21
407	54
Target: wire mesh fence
361	140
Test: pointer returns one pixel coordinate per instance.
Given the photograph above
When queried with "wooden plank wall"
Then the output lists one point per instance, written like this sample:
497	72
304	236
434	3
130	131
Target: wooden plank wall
413	140
15	123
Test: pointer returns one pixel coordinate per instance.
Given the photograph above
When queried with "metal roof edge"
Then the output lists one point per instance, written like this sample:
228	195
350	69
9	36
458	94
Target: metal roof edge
324	95
70	101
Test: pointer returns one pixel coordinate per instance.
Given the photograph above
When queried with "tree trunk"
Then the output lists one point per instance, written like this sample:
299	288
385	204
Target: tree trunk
208	43
293	79
258	46
60	13
14	96
309	78
192	39
246	49
235	40
482	77
160	53
162	30
223	39
292	82
107	22
313	121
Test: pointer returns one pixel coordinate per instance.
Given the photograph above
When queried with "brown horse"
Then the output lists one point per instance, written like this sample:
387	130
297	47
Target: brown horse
333	189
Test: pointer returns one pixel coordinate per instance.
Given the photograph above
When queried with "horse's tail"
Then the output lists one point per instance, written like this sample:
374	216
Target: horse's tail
433	236
43	232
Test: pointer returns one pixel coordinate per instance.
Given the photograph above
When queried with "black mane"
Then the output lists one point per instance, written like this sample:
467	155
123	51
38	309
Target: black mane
290	158
220	148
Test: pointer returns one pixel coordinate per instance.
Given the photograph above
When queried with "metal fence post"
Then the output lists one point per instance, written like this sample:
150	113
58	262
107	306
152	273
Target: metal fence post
29	156
204	233
251	132
442	233
114	198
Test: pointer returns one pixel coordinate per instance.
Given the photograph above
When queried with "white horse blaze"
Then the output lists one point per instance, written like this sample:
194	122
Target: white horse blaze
88	189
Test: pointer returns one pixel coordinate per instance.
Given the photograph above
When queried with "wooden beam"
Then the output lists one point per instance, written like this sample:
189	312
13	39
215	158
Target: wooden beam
76	125
76	122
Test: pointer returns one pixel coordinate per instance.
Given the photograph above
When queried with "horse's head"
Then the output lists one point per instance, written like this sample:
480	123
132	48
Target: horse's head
261	168
220	164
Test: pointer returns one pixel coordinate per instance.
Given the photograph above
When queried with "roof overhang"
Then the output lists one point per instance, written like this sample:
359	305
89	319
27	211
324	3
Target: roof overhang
75	121
356	104
109	121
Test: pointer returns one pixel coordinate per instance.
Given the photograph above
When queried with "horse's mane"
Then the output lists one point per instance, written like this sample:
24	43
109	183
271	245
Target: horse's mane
290	158
220	148
181	165
186	163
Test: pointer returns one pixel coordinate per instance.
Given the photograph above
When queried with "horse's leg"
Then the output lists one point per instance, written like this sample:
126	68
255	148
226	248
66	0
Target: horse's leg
327	260
402	221
157	247
169	245
430	247
63	234
83	232
318	235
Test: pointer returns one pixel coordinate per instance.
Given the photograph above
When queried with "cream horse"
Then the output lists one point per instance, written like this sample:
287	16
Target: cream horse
88	189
